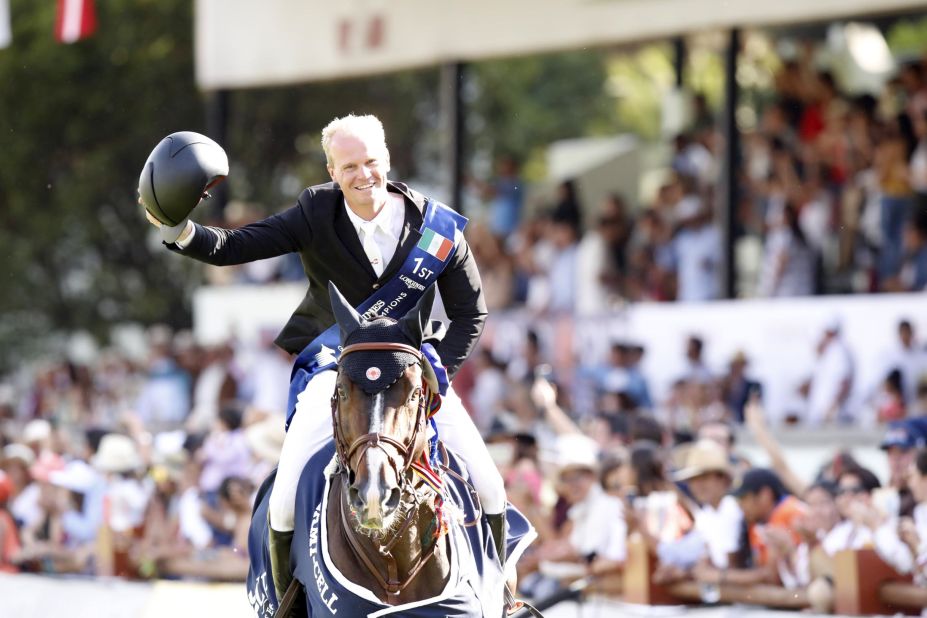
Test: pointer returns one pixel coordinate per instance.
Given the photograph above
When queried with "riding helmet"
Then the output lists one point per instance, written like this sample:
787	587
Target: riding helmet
177	174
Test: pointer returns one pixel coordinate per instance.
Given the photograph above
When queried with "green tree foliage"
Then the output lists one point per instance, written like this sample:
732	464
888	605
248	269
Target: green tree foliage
77	122
520	105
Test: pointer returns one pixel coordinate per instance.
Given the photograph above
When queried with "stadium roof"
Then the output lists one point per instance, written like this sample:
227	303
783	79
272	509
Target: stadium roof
247	44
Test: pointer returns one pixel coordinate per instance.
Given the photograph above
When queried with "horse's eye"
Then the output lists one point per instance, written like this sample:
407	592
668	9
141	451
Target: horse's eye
342	395
416	393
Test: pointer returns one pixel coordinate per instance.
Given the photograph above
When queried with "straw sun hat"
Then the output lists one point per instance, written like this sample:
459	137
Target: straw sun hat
704	457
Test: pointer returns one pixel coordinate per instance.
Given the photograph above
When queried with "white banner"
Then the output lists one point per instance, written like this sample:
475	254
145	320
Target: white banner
242	43
778	336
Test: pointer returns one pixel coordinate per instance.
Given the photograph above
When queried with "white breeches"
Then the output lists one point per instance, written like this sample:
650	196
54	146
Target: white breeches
311	429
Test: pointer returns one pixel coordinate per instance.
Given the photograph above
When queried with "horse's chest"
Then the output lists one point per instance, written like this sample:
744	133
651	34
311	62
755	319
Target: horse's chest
330	592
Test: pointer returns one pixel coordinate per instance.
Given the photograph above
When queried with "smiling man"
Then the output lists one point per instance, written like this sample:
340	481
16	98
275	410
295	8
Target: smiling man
382	244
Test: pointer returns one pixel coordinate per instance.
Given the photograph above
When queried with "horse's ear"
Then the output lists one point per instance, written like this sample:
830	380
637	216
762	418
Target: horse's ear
413	323
348	319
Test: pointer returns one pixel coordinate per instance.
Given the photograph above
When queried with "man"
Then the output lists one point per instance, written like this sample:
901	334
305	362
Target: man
594	539
771	515
831	382
900	443
715	538
357	233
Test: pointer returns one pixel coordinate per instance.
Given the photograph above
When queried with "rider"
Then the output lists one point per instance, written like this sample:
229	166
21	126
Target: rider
355	232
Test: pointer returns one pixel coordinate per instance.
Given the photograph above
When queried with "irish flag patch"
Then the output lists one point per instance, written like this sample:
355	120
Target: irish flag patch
435	244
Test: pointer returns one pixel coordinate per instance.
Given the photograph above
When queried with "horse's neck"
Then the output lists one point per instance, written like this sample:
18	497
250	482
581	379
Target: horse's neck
415	542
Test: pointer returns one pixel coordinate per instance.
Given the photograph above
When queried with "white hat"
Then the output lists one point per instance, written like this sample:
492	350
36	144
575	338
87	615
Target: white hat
19	451
36	431
265	439
576	451
76	476
117	453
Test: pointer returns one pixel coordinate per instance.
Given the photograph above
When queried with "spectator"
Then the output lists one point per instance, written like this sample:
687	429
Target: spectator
601	258
9	533
900	443
912	273
23	502
854	504
715	536
164	400
890	400
737	387
506	197
126	496
902	542
832	379
697	248
771	514
596	539
225	451
789	262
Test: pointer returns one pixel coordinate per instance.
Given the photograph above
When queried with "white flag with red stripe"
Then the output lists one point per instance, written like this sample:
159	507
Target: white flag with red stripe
6	33
76	20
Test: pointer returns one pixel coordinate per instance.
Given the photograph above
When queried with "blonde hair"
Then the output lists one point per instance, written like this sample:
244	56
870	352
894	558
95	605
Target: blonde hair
367	127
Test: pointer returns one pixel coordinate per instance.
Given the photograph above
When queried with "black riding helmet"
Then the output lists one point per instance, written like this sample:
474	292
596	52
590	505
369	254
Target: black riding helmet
178	172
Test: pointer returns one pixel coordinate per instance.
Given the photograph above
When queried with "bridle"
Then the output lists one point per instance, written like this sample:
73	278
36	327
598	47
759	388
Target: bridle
374	440
391	584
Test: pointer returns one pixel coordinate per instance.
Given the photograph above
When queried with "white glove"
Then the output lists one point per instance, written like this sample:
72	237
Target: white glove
170	234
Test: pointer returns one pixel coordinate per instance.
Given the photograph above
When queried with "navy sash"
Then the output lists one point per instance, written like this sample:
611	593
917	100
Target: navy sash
441	229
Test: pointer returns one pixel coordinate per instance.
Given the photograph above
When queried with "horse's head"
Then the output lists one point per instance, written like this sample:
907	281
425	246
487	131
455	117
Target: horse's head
378	409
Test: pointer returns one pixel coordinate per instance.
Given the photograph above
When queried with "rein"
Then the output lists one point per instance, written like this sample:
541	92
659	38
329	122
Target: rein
391	584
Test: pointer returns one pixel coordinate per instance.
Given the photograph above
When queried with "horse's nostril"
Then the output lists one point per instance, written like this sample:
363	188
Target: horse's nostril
355	499
393	501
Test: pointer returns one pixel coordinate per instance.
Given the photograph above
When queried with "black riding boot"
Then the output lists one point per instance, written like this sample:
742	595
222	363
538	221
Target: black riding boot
279	549
497	526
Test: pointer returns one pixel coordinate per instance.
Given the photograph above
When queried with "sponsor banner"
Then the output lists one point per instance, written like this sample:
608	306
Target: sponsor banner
241	44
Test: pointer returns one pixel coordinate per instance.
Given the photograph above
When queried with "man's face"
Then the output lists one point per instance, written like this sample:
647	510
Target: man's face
899	460
359	165
709	488
756	506
850	489
575	483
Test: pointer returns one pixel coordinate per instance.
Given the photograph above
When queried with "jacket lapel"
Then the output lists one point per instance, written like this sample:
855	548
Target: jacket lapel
349	240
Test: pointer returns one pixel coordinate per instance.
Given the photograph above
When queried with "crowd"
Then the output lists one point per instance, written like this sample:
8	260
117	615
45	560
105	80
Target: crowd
706	511
830	190
140	468
832	200
147	468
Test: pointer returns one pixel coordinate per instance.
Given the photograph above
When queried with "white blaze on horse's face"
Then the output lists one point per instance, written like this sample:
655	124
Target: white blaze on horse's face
376	489
377	464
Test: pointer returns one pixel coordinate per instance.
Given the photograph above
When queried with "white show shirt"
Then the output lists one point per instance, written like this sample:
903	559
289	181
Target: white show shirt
385	230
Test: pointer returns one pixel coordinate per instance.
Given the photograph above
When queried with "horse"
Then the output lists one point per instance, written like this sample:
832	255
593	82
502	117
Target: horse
386	519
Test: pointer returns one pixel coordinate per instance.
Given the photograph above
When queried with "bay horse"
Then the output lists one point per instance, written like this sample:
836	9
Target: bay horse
386	520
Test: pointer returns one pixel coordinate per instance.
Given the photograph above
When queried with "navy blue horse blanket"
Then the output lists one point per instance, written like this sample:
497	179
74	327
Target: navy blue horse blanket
474	587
